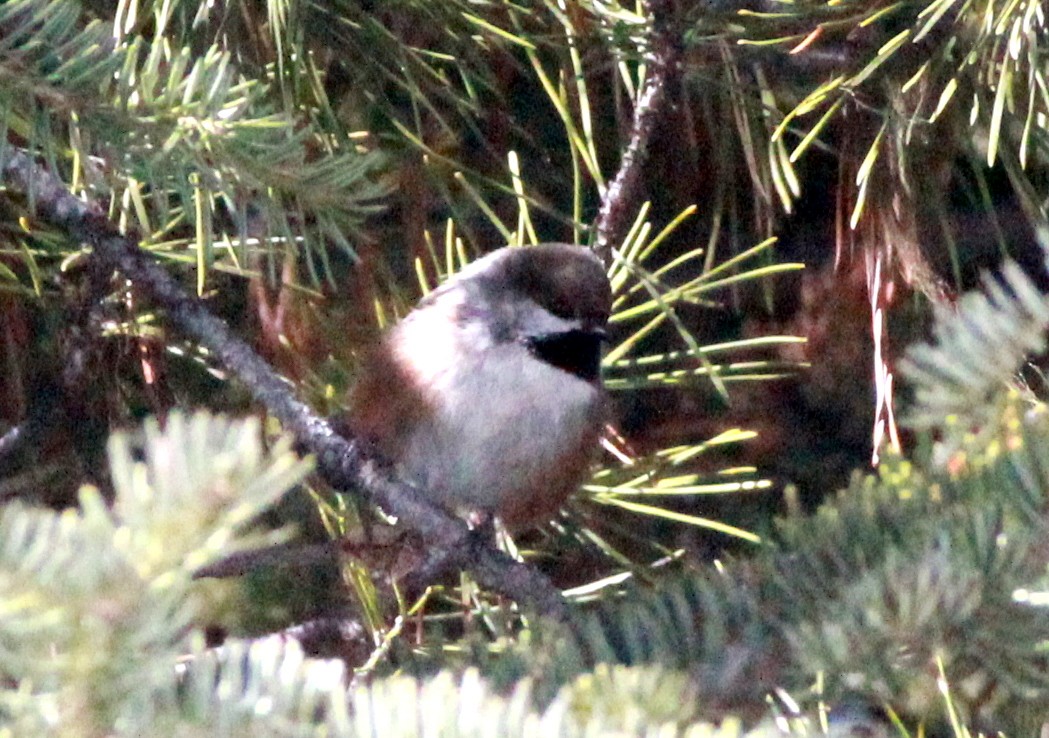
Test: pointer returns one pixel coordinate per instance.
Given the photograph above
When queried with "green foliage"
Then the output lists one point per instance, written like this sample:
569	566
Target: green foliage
227	131
98	603
184	145
906	573
298	697
978	345
900	94
649	299
914	571
99	626
936	565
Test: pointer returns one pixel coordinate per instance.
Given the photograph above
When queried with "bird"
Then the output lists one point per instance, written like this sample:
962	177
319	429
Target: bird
487	396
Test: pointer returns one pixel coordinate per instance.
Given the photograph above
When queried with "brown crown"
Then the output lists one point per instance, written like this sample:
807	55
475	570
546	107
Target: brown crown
569	281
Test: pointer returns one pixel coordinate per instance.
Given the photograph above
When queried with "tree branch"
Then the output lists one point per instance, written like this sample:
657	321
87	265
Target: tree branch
620	201
340	462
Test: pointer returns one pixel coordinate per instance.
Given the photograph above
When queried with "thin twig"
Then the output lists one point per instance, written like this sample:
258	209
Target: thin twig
621	199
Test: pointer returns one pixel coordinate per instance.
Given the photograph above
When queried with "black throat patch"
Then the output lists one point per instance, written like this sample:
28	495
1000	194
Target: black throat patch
575	352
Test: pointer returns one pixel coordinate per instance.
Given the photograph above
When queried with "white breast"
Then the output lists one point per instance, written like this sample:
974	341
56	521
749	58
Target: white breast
507	433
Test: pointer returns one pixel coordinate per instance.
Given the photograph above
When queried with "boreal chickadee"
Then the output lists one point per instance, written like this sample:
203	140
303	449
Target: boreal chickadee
488	394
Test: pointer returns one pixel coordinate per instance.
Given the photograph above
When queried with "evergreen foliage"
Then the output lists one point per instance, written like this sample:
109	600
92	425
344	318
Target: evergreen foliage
228	134
918	571
977	348
99	603
923	569
100	622
205	154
